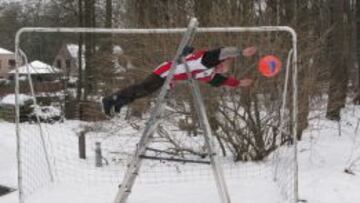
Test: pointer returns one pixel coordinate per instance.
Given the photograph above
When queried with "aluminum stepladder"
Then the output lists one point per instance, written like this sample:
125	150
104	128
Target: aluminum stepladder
136	160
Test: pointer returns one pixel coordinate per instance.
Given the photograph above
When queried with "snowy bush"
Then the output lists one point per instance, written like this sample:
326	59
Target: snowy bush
46	114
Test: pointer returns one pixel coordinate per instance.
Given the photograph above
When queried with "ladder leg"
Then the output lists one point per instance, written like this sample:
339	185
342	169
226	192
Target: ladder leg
204	122
133	169
216	166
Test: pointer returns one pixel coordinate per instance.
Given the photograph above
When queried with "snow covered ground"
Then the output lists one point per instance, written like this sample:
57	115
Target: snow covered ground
327	149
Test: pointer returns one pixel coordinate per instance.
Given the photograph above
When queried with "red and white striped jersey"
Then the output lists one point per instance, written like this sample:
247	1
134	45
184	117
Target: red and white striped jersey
197	69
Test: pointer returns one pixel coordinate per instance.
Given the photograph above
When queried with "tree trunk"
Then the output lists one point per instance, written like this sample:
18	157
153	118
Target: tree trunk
306	67
89	48
339	52
151	13
106	47
287	11
80	44
357	13
108	20
202	10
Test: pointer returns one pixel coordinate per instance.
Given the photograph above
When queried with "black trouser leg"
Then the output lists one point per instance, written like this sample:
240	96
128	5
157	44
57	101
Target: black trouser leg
149	85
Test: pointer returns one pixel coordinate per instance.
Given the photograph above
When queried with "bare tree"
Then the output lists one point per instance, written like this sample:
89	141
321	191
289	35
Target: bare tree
357	100
338	56
89	21
108	19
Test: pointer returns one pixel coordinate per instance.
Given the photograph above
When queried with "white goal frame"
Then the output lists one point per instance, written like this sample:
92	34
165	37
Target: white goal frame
294	72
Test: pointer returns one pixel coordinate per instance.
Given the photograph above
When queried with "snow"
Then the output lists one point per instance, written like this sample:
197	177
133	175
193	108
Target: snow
36	67
10	99
8	164
118	50
175	193
47	112
73	50
327	149
5	51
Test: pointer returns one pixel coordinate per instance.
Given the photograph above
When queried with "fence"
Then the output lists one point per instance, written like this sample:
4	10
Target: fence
45	87
83	110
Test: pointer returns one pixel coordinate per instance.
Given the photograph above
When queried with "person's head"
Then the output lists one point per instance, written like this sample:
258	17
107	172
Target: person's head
227	56
224	66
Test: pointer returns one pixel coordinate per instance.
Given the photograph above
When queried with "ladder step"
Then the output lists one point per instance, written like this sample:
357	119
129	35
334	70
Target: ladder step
174	159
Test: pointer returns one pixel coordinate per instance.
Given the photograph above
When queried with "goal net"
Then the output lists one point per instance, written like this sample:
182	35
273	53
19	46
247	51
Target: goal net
68	152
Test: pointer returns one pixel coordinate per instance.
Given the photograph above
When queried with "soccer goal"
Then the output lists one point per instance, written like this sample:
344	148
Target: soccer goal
253	133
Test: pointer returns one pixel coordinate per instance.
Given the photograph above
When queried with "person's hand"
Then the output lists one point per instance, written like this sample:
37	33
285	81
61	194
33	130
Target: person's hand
249	51
187	50
172	84
246	82
232	82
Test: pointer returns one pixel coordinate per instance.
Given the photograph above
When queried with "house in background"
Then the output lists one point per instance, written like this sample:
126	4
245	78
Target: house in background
7	62
39	71
67	60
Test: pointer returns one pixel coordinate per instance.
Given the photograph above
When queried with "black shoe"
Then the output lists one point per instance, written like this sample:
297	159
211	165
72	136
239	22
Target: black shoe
117	108
112	104
118	103
107	105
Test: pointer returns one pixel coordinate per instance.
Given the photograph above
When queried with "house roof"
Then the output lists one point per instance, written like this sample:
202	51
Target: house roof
37	67
74	50
5	51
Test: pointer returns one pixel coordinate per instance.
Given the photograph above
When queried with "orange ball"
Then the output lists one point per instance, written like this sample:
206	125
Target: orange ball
269	65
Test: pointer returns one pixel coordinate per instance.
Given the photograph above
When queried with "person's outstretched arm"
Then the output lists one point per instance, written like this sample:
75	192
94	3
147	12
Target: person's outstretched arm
214	57
219	80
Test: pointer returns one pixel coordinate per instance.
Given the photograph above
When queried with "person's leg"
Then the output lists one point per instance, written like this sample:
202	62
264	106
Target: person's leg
125	96
149	85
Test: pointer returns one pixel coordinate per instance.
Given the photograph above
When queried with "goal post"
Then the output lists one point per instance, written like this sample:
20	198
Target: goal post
291	68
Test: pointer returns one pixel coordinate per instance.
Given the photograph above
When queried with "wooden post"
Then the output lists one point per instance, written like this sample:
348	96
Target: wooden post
98	156
82	145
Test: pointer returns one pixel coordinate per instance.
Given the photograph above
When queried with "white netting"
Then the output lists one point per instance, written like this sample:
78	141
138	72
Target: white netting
70	178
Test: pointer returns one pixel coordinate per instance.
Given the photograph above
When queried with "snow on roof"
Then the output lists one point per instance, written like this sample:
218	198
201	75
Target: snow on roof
5	51
117	50
37	67
73	50
10	99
